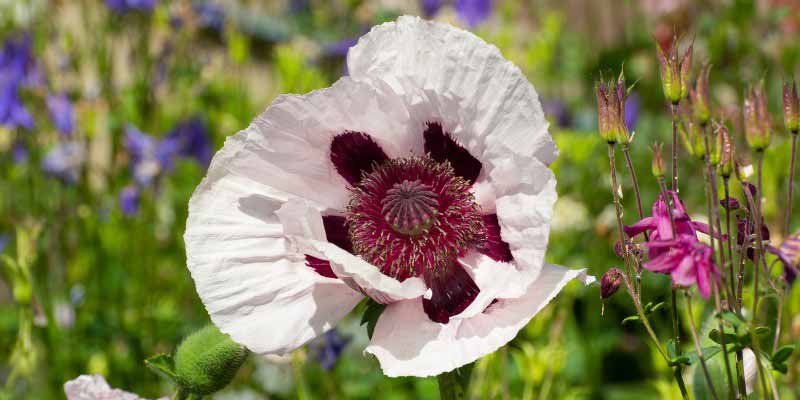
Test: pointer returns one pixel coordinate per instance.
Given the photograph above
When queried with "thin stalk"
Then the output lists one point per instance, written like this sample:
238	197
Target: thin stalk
726	185
618	208
676	330
699	348
787	225
634	182
674	109
776	339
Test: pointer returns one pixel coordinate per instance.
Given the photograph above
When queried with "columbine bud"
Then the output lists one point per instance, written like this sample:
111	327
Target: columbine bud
692	136
701	103
611	110
657	166
791	107
715	152
756	118
207	361
726	163
610	283
674	70
744	170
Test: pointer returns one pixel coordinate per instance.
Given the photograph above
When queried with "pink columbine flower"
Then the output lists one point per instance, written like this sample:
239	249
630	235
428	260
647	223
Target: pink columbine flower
679	254
420	181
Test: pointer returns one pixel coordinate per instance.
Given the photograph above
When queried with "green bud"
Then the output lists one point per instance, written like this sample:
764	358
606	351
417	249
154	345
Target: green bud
207	361
756	118
726	157
657	166
701	102
716	146
674	70
611	98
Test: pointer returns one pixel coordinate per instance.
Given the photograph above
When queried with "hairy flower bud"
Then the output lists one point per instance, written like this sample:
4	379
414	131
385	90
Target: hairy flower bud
701	103
756	118
610	283
716	142
692	135
657	166
674	70
207	361
726	159
611	98
791	107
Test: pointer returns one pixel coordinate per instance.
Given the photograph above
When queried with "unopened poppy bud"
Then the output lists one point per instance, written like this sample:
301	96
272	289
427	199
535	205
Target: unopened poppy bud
701	103
726	156
756	118
674	70
657	166
610	283
207	361
791	107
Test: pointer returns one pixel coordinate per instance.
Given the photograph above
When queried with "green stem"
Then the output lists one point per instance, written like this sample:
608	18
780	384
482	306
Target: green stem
454	385
756	206
698	348
674	109
787	225
618	208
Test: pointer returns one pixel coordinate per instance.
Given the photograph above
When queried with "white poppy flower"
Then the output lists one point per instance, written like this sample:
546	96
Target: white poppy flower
421	181
95	387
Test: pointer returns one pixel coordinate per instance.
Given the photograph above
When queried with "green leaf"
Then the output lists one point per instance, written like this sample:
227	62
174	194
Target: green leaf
372	311
162	364
783	353
629	319
716	337
656	307
734	319
681	360
671	350
708	353
762	331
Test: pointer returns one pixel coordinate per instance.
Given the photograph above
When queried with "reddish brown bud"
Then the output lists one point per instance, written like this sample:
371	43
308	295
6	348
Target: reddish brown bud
756	118
611	98
610	283
701	102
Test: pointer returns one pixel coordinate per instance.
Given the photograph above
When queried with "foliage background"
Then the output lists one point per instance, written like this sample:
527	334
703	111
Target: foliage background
111	289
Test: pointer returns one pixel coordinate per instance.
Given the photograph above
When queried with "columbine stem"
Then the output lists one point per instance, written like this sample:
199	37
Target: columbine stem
697	346
674	109
635	184
788	223
618	208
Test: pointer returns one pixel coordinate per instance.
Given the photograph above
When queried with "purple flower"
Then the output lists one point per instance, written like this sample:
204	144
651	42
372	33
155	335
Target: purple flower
192	139
430	7
149	156
3	242
339	48
789	254
329	348
633	105
559	111
210	15
679	254
17	69
19	153
124	6
129	200
686	260
61	113
64	161
473	12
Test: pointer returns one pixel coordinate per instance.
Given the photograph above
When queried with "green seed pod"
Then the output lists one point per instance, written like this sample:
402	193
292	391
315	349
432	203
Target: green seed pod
791	107
207	361
756	118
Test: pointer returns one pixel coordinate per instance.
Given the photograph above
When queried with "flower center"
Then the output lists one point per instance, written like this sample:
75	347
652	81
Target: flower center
412	215
410	207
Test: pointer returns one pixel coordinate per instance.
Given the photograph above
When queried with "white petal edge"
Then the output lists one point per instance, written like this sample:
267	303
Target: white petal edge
253	282
95	387
407	343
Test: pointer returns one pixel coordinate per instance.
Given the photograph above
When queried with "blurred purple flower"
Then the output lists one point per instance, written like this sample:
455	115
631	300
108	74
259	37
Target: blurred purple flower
17	69
339	48
473	12
3	242
789	254
19	153
430	7
124	6
329	348
210	15
149	156
61	113
558	111
633	106
192	139
129	200
64	161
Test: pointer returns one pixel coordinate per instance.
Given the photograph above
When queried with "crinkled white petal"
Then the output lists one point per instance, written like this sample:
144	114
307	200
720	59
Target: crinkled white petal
251	278
289	143
95	387
451	76
407	343
750	370
364	276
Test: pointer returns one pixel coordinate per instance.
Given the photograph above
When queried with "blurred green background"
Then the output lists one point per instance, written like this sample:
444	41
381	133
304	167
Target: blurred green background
100	226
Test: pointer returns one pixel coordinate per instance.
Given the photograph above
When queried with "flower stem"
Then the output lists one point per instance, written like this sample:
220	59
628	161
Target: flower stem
697	346
788	223
736	301
453	385
618	208
674	109
634	182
